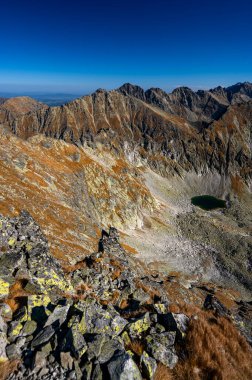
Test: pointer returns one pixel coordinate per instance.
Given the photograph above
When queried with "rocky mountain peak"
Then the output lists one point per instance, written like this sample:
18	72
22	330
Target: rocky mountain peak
22	105
132	90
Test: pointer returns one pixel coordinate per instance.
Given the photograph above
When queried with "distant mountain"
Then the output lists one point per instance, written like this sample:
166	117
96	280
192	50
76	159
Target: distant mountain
54	100
198	107
21	105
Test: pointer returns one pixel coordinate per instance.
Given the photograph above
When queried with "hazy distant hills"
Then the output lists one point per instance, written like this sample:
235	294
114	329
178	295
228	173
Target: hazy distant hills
51	99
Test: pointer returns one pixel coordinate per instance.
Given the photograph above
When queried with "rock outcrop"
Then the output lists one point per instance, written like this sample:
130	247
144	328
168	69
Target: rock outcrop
108	319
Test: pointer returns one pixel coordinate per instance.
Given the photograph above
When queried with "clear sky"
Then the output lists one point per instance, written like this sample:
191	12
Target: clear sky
78	46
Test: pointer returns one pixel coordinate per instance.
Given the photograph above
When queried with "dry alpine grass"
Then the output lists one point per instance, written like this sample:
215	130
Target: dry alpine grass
17	295
213	350
163	373
7	368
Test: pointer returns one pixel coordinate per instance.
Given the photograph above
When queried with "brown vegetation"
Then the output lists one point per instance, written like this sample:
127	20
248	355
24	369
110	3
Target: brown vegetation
17	295
136	346
148	289
213	349
7	368
163	373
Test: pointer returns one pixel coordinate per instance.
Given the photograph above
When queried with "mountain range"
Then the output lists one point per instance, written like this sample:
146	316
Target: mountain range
135	160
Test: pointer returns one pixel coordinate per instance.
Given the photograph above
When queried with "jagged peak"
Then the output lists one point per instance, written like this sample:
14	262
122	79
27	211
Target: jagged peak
156	90
183	89
133	90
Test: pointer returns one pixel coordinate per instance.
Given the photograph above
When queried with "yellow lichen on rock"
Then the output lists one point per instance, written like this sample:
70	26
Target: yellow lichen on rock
4	288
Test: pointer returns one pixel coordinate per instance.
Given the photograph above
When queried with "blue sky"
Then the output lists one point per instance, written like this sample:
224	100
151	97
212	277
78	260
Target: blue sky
78	46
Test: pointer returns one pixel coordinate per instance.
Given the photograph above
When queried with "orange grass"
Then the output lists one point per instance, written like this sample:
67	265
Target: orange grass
214	350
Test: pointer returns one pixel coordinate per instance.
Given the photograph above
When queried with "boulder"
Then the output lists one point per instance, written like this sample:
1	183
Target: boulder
5	311
182	322
167	339
148	366
161	308
14	350
29	328
14	330
174	322
141	296
163	354
39	361
74	340
66	360
58	316
21	315
103	347
43	336
139	326
97	320
123	367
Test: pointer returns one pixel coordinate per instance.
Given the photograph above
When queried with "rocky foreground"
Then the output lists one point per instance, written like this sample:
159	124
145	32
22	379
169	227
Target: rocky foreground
109	317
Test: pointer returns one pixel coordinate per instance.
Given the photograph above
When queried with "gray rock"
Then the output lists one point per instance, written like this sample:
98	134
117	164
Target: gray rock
66	360
21	314
163	354
109	348
212	303
14	330
47	348
43	337
141	296
97	320
167	339
43	372
74	340
58	316
157	329
103	347
5	311
14	350
123	367
39	361
148	366
139	326
182	322
78	372
29	328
